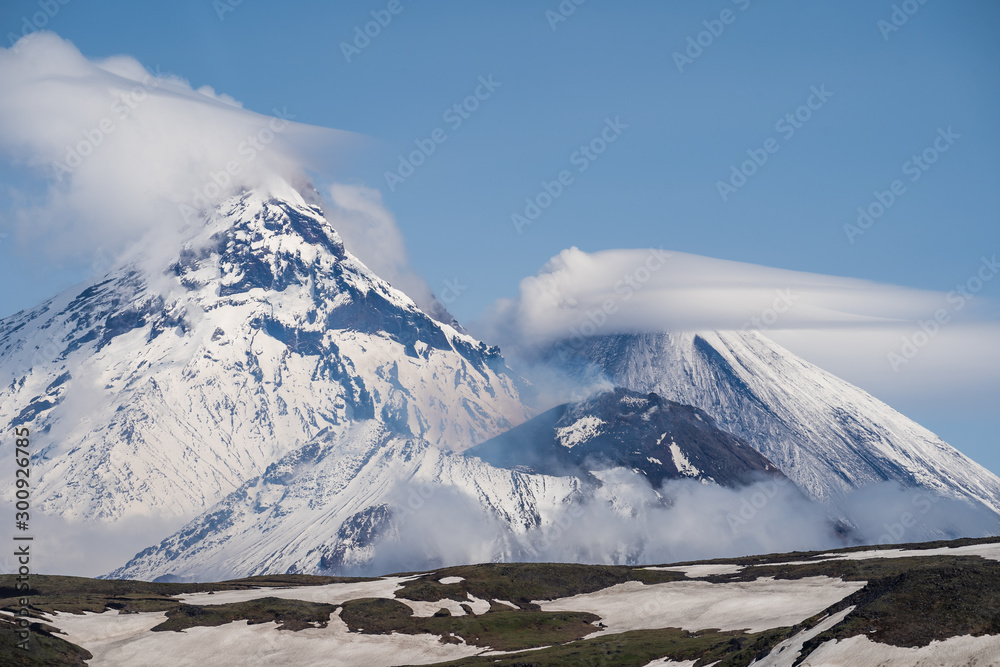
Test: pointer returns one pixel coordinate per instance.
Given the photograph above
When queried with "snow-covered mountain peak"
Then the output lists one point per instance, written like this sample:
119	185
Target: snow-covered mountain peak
827	435
159	390
260	242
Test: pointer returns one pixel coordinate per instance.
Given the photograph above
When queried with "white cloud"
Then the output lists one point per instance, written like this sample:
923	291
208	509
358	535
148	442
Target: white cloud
846	325
127	157
119	150
654	290
84	549
696	521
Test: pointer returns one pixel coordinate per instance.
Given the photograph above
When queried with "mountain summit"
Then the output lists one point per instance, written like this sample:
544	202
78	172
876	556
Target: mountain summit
825	434
159	390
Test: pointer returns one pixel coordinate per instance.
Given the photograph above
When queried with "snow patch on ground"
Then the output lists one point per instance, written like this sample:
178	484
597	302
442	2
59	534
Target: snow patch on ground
696	571
988	551
698	605
581	430
428	609
108	628
491	652
124	639
450	580
966	650
340	593
683	466
653	459
478	606
329	594
423	609
785	653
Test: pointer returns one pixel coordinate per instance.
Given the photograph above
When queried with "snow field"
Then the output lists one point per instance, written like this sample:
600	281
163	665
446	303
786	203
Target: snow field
124	640
329	594
785	653
966	651
697	571
988	551
753	606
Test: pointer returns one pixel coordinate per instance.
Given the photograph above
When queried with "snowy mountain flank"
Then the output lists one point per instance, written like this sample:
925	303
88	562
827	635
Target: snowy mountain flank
158	391
325	506
827	435
330	505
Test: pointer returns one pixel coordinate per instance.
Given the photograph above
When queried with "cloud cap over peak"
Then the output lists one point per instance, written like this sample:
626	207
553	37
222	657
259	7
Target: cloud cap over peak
119	153
649	290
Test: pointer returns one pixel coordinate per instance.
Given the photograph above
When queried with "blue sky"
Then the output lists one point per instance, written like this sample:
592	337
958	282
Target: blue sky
891	93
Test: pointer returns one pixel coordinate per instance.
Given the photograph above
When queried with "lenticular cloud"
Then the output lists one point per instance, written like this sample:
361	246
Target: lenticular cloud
621	291
578	295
